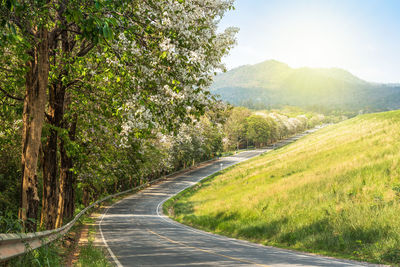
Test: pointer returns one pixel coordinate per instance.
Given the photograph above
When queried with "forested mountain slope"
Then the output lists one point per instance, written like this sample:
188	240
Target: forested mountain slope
334	192
272	83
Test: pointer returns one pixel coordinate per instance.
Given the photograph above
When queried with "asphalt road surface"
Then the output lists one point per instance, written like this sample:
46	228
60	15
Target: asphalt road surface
136	233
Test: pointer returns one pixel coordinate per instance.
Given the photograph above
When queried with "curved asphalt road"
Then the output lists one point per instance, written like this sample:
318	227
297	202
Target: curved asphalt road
137	234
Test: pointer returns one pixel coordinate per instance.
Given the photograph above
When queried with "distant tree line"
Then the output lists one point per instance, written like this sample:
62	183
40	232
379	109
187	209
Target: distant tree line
257	128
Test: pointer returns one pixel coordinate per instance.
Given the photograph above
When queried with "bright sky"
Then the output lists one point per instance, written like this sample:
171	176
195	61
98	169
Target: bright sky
361	36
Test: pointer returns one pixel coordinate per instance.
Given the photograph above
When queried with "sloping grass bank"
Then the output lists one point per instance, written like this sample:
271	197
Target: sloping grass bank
335	192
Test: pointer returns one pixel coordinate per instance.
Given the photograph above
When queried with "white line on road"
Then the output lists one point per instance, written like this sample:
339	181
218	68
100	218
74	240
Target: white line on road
104	240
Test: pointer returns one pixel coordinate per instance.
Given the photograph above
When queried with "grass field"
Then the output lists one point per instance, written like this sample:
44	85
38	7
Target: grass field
335	192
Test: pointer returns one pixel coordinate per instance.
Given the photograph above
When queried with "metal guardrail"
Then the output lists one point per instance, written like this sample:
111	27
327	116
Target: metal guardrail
12	245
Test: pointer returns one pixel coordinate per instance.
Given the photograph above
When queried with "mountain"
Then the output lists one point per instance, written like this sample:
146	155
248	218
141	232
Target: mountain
273	83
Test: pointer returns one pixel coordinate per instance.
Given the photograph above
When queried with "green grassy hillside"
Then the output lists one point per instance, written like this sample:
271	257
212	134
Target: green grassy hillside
335	192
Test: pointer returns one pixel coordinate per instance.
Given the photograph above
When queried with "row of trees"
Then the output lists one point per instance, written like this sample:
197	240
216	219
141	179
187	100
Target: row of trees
245	127
222	129
87	86
150	158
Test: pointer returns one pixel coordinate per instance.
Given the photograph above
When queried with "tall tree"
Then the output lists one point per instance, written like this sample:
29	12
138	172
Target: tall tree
258	130
236	126
28	33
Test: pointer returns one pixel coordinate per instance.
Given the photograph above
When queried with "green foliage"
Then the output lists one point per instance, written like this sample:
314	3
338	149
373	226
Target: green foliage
9	222
46	256
236	126
259	129
10	147
91	256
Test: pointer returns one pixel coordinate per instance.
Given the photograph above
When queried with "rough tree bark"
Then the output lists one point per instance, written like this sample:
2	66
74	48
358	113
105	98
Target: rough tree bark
50	166
66	199
33	116
86	196
69	204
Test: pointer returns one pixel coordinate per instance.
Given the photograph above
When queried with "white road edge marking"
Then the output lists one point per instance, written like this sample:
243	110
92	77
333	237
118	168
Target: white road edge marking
117	262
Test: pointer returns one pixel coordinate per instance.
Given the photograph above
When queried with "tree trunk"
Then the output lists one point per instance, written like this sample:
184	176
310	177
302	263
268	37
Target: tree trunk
86	196
50	192
33	116
67	177
50	164
69	202
50	183
52	211
66	198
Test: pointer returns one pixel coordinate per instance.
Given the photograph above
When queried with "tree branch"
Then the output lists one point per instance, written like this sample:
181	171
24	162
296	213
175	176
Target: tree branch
74	31
85	50
5	69
49	118
11	96
73	83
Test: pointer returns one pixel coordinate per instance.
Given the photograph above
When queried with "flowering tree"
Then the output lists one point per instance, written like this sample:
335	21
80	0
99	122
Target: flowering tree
151	59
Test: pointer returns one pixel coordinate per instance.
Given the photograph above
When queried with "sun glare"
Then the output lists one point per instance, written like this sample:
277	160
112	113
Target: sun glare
314	45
